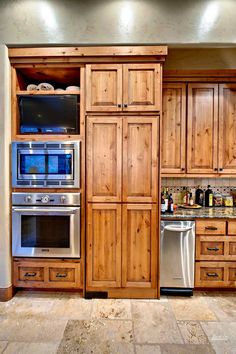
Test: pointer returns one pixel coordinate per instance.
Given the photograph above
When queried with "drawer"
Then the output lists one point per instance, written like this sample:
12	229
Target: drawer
62	274
232	228
210	227
30	273
232	248
215	248
215	275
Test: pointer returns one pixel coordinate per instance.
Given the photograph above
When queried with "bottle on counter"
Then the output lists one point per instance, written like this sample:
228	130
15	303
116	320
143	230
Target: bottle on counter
209	197
191	199
170	204
163	204
166	197
199	196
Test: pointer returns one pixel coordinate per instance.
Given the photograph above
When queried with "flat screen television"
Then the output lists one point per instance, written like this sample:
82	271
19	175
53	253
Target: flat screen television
48	114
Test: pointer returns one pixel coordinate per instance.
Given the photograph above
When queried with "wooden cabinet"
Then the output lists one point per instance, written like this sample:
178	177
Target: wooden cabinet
104	159
41	273
215	253
227	129
202	132
173	136
140	159
116	144
122	246
123	87
104	245
139	246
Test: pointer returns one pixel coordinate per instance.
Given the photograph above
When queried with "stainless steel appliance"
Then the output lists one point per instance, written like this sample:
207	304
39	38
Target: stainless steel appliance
46	225
177	257
46	164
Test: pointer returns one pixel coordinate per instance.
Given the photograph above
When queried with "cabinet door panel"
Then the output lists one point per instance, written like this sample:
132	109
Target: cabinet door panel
104	155
227	129
104	87
173	136
142	87
202	131
140	159
104	245
139	246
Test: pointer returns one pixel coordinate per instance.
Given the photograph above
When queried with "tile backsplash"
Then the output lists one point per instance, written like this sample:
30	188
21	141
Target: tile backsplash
175	185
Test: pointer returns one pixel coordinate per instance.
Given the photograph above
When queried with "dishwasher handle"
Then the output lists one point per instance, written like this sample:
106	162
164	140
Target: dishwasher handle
177	229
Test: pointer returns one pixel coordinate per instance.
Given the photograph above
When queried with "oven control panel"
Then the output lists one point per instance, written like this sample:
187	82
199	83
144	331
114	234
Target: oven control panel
72	199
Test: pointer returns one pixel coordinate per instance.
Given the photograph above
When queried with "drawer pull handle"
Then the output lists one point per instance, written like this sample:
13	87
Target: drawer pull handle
213	248
212	275
33	274
61	275
213	228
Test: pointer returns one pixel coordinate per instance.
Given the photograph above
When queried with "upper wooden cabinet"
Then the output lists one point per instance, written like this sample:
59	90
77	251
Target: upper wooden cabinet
227	129
104	159
122	144
173	136
123	87
202	132
140	159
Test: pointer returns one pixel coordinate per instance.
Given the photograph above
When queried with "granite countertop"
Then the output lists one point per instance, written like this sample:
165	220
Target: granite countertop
217	212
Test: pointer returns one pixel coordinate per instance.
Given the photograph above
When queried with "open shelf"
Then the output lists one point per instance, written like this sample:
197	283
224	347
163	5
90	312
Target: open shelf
49	92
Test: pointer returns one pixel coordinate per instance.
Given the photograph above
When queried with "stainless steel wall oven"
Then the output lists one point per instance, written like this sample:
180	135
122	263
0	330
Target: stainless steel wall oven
46	164
46	225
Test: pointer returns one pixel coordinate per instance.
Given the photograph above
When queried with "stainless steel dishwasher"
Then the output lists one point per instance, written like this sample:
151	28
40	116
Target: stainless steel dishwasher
177	257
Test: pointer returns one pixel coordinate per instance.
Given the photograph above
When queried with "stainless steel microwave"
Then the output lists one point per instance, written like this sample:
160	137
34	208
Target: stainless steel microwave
46	164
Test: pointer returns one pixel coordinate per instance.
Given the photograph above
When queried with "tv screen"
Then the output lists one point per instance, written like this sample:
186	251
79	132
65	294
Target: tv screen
47	114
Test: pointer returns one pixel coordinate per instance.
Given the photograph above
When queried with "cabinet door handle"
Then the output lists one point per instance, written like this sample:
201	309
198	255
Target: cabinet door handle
213	228
33	274
61	275
213	249
215	275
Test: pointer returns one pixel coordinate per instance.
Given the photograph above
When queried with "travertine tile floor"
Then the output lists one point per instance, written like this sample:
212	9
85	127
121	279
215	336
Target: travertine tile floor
48	323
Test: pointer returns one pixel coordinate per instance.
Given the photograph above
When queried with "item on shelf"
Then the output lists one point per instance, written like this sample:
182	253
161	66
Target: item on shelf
163	204
199	196
233	193
194	206
217	200
191	199
72	88
31	87
209	197
59	89
170	204
228	200
166	197
44	86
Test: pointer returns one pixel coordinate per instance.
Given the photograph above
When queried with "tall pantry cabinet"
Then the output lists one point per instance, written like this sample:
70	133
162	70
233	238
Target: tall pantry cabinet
123	103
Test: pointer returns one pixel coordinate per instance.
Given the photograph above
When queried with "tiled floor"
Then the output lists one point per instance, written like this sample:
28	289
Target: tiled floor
48	323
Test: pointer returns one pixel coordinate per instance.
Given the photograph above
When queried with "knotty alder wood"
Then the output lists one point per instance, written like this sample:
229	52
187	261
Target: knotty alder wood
202	132
173	137
103	245
232	228
139	246
210	227
141	87
227	129
215	274
140	159
104	159
104	87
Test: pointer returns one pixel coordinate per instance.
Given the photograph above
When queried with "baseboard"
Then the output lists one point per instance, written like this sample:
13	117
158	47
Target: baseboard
6	293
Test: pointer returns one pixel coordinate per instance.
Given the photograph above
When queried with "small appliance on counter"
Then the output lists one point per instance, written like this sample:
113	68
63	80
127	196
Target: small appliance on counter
177	257
46	164
46	225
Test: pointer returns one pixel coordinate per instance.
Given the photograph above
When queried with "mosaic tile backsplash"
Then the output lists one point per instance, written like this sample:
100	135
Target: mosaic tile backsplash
218	185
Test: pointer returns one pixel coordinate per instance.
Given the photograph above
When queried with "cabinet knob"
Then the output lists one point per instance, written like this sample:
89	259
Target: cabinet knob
119	105
216	169
221	169
182	169
125	105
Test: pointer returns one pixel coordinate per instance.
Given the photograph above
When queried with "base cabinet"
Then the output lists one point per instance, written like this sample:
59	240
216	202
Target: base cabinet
121	246
42	273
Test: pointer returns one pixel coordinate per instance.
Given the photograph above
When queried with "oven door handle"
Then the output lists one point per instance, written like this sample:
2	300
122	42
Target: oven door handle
51	210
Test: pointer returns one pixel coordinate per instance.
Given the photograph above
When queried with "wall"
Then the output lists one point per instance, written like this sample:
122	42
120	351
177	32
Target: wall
5	131
118	21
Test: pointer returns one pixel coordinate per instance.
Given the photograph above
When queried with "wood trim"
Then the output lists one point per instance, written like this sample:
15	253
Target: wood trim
91	51
6	294
199	74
